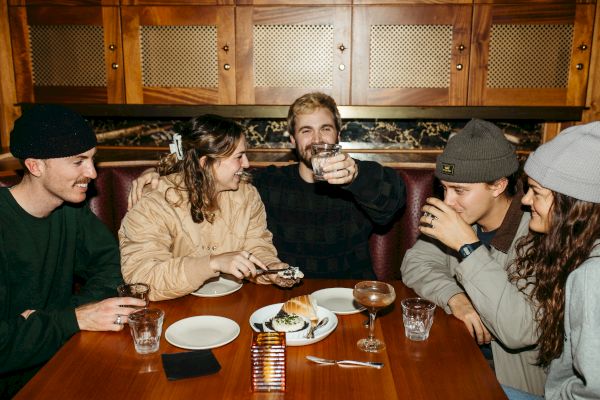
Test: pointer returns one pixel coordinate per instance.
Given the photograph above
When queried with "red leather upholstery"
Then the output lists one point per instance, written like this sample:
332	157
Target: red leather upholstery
108	199
389	244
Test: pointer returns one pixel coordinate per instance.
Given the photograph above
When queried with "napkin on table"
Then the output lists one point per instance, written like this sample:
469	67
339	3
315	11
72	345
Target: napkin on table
189	364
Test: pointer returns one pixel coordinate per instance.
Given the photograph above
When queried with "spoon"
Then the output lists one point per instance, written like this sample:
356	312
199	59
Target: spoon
311	331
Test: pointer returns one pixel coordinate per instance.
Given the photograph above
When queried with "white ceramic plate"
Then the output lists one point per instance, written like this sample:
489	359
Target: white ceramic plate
202	332
295	338
339	300
219	286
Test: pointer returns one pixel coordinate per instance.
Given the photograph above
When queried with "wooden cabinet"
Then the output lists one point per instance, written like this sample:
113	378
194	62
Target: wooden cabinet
361	52
411	55
67	54
530	54
179	54
284	52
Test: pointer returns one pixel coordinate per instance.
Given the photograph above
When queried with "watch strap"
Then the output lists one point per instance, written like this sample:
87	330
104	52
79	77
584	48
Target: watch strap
466	249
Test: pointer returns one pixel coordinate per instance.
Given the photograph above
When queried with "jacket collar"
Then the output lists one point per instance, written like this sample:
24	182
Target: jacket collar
510	224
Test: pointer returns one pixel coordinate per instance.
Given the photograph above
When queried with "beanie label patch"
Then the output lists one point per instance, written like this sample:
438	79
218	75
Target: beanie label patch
447	169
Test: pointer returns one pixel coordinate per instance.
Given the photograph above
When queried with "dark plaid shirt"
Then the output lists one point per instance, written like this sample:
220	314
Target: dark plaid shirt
324	229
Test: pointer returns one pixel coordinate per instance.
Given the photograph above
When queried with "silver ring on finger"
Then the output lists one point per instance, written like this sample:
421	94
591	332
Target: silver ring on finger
431	222
119	321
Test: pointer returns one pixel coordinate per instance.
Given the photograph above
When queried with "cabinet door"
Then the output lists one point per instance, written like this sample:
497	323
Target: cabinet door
179	54
410	55
67	54
284	52
530	55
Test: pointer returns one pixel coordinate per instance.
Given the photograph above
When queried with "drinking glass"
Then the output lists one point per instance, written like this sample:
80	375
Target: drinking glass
137	290
320	153
373	295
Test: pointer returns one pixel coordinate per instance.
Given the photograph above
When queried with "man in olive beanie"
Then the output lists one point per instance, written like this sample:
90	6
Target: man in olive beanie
468	243
46	241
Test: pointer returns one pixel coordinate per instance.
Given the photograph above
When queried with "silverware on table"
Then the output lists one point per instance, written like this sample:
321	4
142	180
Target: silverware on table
310	334
320	360
271	271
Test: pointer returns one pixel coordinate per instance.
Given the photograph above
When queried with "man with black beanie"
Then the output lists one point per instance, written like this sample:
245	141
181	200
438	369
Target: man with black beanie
47	240
468	244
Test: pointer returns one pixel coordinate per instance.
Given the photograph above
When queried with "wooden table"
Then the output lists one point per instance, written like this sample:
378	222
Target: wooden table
104	365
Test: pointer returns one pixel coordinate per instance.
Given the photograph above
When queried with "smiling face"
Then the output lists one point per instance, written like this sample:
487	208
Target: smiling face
227	170
540	200
67	178
314	127
477	202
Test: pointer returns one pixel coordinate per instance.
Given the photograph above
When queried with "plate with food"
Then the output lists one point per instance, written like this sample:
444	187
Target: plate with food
220	286
339	300
295	317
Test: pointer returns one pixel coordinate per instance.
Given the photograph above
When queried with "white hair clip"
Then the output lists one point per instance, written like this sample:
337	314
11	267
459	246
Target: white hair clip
176	147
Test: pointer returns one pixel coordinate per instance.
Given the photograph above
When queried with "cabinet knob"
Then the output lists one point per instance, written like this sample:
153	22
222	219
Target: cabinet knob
115	65
579	66
460	47
225	48
583	47
459	67
342	47
226	67
112	47
342	67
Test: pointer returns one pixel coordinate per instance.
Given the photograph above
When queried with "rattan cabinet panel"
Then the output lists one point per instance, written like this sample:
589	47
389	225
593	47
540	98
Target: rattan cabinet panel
410	55
67	54
530	55
179	54
284	52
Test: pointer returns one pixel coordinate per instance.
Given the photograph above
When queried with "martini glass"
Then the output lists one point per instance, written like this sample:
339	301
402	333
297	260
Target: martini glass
373	295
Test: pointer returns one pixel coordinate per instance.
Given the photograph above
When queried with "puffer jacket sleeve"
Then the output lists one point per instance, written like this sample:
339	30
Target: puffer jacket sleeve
146	239
425	269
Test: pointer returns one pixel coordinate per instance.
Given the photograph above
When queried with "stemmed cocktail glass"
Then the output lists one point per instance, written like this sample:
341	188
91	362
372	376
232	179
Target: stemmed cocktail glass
373	295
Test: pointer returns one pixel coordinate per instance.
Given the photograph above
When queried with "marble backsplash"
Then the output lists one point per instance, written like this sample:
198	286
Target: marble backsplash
357	134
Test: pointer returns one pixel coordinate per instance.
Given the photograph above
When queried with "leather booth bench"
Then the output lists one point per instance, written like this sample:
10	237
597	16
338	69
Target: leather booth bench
108	200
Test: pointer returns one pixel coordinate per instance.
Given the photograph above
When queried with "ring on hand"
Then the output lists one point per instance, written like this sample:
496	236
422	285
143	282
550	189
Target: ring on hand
118	321
249	255
431	221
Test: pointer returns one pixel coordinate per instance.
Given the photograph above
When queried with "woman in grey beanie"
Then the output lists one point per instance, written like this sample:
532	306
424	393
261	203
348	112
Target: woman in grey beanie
560	259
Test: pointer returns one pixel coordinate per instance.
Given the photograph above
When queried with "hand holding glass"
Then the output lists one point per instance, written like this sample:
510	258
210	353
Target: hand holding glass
137	290
320	153
373	295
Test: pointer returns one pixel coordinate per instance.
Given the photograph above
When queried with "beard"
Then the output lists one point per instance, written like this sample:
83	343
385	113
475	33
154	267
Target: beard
305	155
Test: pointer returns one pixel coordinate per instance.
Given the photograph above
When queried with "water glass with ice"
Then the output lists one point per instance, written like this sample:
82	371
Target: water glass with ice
417	315
146	329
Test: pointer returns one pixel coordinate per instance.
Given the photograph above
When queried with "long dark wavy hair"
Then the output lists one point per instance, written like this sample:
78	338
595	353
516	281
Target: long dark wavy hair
544	261
208	135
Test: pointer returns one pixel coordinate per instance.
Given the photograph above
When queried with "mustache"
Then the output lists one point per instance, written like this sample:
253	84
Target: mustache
84	181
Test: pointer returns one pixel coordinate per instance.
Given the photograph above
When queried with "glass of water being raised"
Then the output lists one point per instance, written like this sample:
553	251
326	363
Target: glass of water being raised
373	295
320	153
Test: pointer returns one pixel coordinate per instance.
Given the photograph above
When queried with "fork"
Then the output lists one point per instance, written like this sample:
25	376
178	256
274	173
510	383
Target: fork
271	271
320	360
310	334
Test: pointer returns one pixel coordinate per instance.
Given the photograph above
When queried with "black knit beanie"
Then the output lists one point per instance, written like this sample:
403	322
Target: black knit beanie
50	131
478	153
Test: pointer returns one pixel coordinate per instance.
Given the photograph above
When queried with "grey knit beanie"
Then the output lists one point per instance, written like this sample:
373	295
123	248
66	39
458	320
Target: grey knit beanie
570	163
478	153
50	131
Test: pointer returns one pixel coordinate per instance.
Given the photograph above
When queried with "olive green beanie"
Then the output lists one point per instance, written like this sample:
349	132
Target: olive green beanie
478	153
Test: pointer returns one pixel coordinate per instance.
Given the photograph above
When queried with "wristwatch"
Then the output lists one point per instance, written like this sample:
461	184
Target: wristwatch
466	249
